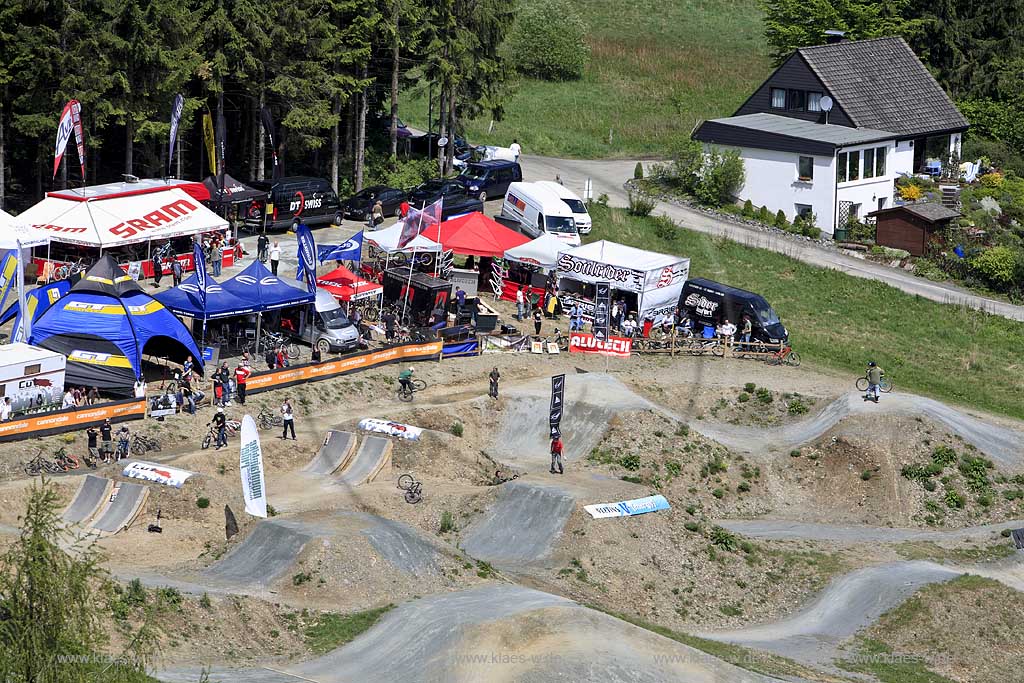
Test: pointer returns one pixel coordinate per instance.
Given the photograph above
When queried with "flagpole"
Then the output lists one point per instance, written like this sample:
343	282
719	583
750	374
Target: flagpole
412	263
380	307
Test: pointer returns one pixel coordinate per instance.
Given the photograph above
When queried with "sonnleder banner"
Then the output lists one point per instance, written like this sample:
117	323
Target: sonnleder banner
557	404
628	508
581	342
250	465
70	419
602	309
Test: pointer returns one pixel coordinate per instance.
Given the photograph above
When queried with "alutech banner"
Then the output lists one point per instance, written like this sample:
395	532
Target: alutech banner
582	342
557	403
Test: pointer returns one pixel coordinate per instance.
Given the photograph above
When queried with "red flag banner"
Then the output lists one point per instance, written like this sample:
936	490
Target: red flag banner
419	221
65	125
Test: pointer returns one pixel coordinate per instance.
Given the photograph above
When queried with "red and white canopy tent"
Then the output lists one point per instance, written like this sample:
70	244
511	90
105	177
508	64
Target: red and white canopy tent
475	235
345	285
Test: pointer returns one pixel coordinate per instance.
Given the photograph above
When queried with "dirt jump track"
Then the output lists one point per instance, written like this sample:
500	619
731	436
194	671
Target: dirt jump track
400	544
333	454
88	500
373	454
264	555
123	510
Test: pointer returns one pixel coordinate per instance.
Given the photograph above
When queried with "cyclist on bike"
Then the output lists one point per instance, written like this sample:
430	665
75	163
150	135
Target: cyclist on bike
219	423
405	379
874	375
123	437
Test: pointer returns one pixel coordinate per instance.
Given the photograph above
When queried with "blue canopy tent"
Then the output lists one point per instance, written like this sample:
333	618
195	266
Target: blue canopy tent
36	301
220	303
105	324
265	291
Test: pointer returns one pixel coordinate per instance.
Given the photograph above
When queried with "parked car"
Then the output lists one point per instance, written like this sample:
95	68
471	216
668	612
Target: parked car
539	210
359	206
709	303
426	145
456	201
328	328
300	199
575	204
487	179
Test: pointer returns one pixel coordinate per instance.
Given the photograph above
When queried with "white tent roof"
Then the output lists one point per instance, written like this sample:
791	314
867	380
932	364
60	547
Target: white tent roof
626	268
387	240
615	254
102	216
542	251
13	234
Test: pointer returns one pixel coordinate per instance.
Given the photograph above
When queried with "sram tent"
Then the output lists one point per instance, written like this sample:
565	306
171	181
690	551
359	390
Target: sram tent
656	279
105	324
542	251
264	291
475	235
387	240
117	214
343	284
185	299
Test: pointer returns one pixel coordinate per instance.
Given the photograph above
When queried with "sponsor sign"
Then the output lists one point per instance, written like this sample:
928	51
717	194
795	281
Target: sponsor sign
586	270
402	431
176	109
71	419
602	310
199	261
581	342
307	257
627	508
557	405
704	307
250	464
161	474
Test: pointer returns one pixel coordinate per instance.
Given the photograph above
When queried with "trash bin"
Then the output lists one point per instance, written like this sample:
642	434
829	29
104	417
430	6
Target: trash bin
841	235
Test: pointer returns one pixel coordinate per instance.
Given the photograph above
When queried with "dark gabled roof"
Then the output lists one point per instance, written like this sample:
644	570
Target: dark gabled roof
880	83
928	211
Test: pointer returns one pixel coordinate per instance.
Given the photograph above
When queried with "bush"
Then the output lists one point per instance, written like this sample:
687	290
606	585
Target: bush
456	429
911	193
630	462
999	266
743	487
993	179
954	500
764	215
749	387
691	526
724	538
447	522
797	407
743	398
943	456
721	177
640	205
665	228
795	453
764	395
548	40
929	485
401	174
780	220
205	601
748	209
202	503
673	468
866	475
718	493
638	171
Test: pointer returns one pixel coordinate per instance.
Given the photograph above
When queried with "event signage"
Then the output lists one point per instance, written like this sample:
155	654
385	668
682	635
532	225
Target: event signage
176	109
307	257
199	261
402	431
9	259
586	270
250	465
628	508
557	404
349	250
602	310
41	424
160	474
70	121
582	342
268	128
208	141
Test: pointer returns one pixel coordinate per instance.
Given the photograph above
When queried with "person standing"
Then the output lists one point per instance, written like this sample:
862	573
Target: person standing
575	317
158	270
123	438
288	417
188	396
748	329
538	318
225	384
217	254
5	409
494	377
69	400
139	390
271	358
556	454
389	321
275	257
378	213
242	373
176	272
874	375
93	435
107	440
517	150
262	243
403	209
520	303
314	355
94	396
460	298
220	423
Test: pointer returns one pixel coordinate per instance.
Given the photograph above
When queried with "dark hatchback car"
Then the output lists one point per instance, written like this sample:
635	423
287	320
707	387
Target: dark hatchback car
489	179
456	201
360	205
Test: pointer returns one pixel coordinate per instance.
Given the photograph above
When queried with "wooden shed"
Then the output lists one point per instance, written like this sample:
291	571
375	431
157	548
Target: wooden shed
911	226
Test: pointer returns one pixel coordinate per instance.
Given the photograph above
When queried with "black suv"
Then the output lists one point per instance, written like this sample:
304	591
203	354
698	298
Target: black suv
489	179
456	201
360	205
300	199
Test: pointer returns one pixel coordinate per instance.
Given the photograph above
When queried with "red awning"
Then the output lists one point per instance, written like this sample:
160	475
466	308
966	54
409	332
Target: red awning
475	235
343	284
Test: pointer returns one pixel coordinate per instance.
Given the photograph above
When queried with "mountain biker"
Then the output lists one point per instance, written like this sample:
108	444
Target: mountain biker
220	422
874	375
405	379
123	436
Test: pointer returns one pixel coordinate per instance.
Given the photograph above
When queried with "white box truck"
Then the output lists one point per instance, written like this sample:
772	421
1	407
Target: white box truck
30	376
537	210
575	204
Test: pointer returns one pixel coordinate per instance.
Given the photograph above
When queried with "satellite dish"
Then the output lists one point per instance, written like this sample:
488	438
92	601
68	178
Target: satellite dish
442	141
826	103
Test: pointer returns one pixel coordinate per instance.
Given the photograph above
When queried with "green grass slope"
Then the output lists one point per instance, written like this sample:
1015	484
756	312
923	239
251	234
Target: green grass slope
657	67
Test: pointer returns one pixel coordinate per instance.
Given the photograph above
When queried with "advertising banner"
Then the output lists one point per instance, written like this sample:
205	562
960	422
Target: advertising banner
70	121
581	342
307	257
268	127
557	404
602	310
160	474
349	250
250	465
402	431
41	424
627	508
209	143
176	109
585	270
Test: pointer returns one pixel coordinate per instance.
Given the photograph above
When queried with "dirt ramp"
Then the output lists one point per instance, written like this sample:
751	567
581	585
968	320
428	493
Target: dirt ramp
400	544
522	525
334	454
123	510
373	454
266	553
90	497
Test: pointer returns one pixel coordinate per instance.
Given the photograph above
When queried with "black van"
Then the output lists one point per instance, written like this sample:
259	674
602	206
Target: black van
300	199
489	179
710	303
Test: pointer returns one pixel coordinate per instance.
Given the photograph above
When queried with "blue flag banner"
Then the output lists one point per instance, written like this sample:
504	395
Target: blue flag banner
307	257
199	262
9	272
350	250
176	109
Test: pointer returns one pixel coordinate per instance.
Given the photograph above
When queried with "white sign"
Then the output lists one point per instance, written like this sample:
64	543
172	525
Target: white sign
161	474
135	270
627	508
402	431
251	467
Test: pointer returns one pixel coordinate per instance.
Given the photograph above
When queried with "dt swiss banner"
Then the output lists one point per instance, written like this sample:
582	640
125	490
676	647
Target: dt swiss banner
581	342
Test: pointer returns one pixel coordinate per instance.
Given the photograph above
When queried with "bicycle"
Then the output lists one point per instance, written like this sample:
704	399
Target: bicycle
68	270
786	355
413	489
405	393
267	419
700	346
231	428
752	349
501	476
561	340
141	443
884	384
39	465
65	460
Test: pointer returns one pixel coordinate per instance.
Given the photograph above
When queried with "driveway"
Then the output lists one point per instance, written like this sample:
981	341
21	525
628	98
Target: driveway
608	177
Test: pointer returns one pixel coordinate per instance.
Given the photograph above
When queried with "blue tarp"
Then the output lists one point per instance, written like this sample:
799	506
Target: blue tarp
465	348
220	303
265	291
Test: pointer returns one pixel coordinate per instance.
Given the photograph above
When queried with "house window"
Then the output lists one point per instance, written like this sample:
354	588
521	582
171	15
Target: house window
805	168
869	163
882	201
880	153
804	210
797	100
814	101
841	167
854	172
854	212
778	98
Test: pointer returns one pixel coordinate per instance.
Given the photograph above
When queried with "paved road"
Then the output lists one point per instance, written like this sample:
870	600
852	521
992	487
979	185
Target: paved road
608	177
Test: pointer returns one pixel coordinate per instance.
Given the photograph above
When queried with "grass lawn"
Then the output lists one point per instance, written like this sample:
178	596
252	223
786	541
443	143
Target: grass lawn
656	68
841	322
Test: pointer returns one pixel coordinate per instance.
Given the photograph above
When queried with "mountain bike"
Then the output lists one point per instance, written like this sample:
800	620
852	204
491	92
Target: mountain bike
267	419
885	384
70	269
786	355
65	460
752	349
141	444
561	340
406	393
39	465
413	489
700	346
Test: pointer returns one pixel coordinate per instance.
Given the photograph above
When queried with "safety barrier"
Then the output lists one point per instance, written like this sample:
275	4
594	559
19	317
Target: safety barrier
71	419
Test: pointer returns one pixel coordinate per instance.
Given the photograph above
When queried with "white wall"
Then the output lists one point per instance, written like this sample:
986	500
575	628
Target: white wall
772	181
867	191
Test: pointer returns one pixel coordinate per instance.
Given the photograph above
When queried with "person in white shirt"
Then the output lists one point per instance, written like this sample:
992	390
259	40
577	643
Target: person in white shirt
516	149
140	388
5	409
275	257
289	418
520	304
69	400
727	331
629	326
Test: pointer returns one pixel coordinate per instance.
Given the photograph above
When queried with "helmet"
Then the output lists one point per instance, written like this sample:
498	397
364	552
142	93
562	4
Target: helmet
412	369
871	364
220	410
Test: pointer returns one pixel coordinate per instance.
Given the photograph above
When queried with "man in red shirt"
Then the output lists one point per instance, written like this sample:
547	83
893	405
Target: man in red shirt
242	373
556	454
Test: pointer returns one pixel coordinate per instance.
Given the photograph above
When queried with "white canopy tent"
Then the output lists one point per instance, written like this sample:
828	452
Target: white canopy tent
542	251
387	240
656	279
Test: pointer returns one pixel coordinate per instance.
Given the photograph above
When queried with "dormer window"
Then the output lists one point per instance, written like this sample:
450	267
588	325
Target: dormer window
797	100
778	98
814	101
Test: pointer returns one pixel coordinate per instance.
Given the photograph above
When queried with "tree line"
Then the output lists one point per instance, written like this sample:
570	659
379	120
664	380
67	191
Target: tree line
328	71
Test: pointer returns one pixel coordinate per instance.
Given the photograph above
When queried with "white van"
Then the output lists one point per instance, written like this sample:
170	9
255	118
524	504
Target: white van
575	204
539	210
331	331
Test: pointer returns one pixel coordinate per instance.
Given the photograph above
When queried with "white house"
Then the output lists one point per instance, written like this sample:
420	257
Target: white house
888	117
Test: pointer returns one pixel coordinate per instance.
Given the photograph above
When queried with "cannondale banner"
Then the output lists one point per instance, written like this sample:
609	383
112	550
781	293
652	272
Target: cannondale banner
557	401
199	262
251	467
307	257
70	121
179	106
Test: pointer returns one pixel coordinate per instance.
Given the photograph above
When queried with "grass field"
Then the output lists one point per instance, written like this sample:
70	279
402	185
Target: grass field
838	321
656	68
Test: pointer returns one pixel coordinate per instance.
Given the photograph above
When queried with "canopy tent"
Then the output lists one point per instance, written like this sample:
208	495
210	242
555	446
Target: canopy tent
656	279
185	299
388	238
17	238
264	291
37	302
343	284
542	251
231	191
105	324
123	213
475	235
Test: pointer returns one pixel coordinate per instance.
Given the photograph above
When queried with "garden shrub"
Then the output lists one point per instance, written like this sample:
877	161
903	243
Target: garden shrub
638	171
781	221
640	205
748	209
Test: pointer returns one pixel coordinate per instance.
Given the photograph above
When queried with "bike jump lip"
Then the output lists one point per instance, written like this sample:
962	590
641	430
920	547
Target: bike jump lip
93	492
122	511
335	453
373	454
